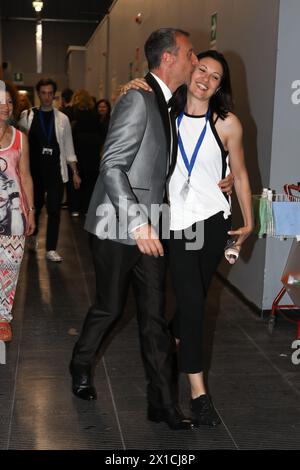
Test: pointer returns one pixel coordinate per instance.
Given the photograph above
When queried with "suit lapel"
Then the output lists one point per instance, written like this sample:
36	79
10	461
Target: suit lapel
166	118
162	105
174	143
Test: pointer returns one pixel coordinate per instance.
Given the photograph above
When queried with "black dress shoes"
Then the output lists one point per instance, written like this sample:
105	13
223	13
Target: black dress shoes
82	386
173	416
85	393
204	411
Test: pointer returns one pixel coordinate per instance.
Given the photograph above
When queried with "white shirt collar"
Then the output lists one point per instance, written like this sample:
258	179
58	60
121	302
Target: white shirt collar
166	90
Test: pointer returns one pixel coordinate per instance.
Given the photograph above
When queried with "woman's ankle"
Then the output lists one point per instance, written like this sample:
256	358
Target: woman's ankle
197	385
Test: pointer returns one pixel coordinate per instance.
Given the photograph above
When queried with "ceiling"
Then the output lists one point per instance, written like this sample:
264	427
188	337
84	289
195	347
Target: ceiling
72	10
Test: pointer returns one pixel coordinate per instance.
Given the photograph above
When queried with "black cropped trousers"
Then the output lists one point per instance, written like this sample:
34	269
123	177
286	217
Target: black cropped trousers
191	273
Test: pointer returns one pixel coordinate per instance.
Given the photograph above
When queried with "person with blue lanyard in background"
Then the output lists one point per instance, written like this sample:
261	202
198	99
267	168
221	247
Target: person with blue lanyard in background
51	149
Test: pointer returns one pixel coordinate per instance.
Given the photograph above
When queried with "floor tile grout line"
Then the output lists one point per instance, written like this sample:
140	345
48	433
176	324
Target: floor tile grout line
21	297
228	430
113	402
103	358
285	379
266	358
14	392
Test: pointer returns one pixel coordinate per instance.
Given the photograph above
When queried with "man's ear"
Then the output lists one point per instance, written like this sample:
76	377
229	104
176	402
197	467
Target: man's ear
167	58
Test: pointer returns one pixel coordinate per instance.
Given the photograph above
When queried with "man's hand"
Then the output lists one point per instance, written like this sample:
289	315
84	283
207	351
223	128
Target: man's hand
147	241
226	184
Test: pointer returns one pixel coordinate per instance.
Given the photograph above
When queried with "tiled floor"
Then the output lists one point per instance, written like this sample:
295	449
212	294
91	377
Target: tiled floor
255	386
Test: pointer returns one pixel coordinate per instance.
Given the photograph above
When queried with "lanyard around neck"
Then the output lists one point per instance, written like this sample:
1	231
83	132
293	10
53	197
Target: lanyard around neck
190	165
47	132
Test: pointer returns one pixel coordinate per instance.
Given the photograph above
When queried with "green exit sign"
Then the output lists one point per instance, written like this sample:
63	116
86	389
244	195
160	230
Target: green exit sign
213	28
18	77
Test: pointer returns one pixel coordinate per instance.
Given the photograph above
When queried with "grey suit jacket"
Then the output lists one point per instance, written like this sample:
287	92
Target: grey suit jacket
134	167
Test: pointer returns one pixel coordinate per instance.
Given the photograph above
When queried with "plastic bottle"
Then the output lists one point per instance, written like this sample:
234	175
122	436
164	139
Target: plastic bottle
231	253
270	229
263	213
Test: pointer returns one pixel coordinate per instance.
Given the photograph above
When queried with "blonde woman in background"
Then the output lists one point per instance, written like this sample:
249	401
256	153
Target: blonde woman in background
87	144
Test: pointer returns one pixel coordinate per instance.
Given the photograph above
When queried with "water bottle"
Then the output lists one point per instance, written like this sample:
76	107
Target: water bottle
231	253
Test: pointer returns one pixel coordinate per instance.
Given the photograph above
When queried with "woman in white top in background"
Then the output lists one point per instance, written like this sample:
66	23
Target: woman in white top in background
210	141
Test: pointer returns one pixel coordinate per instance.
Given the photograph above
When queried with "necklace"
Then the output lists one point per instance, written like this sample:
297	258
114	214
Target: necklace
3	136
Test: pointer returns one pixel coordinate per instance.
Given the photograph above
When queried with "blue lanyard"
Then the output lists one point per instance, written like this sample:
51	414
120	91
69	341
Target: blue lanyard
49	132
190	165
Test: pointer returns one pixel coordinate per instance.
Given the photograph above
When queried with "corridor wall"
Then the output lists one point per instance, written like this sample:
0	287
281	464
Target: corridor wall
247	33
18	47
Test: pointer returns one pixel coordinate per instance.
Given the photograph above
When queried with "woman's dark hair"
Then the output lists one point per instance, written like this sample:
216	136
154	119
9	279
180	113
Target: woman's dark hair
221	103
103	100
67	94
12	90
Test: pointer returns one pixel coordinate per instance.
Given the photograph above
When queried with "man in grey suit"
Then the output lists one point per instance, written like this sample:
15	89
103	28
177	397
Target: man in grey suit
139	154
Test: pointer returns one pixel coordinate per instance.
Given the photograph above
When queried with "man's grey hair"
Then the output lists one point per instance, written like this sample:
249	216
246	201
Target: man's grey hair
160	41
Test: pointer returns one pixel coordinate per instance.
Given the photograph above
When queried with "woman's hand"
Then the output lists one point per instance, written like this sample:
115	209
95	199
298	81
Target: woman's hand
241	234
31	224
226	184
135	84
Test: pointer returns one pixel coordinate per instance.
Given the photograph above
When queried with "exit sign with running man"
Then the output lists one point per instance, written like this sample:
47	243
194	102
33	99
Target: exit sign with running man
213	28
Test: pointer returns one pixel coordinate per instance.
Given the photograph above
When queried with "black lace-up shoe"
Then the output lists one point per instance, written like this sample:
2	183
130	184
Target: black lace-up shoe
204	411
173	416
82	386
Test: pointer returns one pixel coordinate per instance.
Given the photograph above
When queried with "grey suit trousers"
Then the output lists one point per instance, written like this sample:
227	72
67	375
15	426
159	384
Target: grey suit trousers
118	266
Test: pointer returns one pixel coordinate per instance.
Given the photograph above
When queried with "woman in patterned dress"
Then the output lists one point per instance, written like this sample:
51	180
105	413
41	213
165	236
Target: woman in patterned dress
16	208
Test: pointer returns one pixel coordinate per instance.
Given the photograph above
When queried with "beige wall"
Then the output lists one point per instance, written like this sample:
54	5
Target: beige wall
96	56
247	34
76	67
18	48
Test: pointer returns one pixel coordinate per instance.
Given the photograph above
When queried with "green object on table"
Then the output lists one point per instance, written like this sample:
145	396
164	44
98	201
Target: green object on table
263	217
